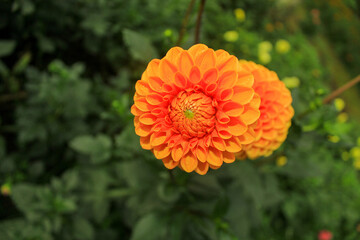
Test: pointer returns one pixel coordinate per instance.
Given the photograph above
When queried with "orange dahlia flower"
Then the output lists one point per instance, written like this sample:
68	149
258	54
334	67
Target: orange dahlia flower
193	107
276	112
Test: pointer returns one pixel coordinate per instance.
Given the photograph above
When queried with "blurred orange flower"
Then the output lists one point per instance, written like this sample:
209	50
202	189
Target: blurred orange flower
193	108
276	112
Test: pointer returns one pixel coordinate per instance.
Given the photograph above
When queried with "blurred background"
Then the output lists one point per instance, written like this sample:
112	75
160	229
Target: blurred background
71	167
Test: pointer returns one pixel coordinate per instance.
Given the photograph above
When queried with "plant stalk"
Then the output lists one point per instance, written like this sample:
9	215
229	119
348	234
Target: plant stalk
198	21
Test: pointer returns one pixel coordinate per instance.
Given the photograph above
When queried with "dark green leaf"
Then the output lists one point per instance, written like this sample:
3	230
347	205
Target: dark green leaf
140	46
6	47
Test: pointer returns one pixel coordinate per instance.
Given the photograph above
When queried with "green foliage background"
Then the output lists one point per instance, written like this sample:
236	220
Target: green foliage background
71	166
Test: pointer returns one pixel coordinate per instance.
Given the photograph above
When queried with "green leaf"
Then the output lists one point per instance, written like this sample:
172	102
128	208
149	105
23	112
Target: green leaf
150	227
82	229
6	47
71	179
4	71
140	46
96	23
19	229
24	196
98	147
83	144
128	139
250	180
22	63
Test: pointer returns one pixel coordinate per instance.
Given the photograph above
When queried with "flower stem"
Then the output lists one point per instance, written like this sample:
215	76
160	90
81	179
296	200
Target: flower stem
341	89
185	22
172	177
13	97
333	95
198	21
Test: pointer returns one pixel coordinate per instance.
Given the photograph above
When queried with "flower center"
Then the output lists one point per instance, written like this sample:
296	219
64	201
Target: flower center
189	114
192	114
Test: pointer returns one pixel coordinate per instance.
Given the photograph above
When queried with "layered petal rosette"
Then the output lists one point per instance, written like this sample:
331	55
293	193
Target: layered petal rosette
276	112
193	108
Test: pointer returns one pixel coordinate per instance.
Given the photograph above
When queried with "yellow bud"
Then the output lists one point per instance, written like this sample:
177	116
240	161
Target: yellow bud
265	46
355	152
339	104
334	139
281	161
168	32
291	82
342	118
264	58
320	91
6	189
231	36
357	163
240	14
282	46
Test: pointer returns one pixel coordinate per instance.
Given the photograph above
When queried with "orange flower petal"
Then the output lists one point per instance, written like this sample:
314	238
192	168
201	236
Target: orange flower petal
202	168
214	167
185	63
142	88
218	143
161	151
223	131
242	95
180	80
177	152
154	99
147	119
169	163
197	49
145	142
167	71
205	60
143	105
232	109
222	117
228	64
246	79
228	157
228	79
158	138
189	162
246	138
211	88
143	130
153	67
214	157
156	84
195	75
201	153
250	115
210	76
135	111
225	94
174	53
233	145
236	127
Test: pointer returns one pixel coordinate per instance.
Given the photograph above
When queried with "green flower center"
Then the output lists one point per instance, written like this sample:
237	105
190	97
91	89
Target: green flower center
189	114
